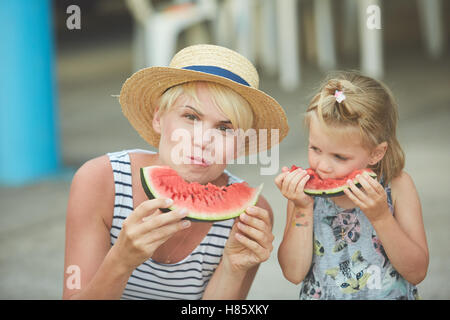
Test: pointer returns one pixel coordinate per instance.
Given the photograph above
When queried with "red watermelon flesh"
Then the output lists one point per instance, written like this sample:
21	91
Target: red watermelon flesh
330	187
203	202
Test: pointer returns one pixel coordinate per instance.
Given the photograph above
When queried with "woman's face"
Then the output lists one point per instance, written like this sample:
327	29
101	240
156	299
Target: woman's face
194	141
335	156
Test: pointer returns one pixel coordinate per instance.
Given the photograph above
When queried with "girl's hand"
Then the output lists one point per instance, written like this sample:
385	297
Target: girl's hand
372	200
145	229
250	240
291	185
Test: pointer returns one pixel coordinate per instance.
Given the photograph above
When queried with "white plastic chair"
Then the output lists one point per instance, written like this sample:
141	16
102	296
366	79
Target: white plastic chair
236	26
288	40
355	19
430	13
371	42
157	31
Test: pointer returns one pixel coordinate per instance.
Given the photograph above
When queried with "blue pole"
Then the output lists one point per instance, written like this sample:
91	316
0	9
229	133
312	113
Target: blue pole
29	136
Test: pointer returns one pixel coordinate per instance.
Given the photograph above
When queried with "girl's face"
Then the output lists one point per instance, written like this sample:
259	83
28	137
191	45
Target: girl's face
194	140
336	156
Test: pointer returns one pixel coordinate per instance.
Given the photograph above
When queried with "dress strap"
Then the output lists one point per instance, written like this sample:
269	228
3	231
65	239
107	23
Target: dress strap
123	200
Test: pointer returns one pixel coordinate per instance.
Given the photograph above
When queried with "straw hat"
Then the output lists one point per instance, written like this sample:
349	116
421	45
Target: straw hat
140	93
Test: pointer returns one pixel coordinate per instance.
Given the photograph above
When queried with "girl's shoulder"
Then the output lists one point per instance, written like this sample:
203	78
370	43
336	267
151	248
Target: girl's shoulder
402	186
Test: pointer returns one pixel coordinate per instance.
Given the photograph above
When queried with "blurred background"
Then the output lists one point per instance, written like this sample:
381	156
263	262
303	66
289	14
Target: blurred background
63	61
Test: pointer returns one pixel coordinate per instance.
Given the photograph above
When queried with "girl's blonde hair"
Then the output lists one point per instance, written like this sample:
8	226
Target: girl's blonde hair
233	105
369	105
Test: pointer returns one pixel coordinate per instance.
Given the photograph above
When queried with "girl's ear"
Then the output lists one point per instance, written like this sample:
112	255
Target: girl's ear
156	122
378	153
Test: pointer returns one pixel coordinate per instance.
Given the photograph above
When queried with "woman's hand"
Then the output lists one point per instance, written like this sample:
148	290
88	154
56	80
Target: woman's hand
372	200
145	229
250	240
291	185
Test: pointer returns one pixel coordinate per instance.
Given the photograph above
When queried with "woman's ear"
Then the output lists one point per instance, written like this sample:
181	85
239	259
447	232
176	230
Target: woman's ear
156	122
378	153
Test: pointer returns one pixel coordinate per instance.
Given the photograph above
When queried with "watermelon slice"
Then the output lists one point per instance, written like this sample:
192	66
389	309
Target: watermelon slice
203	202
330	187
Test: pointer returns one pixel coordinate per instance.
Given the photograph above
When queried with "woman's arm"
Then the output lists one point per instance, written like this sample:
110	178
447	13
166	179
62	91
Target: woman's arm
104	270
249	244
402	235
87	235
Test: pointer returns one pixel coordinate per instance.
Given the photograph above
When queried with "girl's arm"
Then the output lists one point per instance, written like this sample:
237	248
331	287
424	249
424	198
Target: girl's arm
249	244
402	235
295	252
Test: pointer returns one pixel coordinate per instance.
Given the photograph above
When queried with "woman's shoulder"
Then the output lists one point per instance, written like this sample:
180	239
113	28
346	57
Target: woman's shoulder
100	169
92	190
96	170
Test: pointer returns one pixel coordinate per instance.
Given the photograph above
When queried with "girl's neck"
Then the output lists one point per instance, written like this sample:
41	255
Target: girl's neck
343	202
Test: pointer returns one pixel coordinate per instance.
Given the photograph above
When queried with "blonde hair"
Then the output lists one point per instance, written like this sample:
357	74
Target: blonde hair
369	105
233	105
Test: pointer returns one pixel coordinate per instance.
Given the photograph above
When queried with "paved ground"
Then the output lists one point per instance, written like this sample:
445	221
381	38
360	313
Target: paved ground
32	219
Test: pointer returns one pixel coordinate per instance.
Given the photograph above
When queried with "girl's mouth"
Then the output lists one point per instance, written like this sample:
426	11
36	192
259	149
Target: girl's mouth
199	161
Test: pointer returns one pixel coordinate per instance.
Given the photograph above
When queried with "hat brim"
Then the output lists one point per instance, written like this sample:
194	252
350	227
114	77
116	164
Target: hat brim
140	94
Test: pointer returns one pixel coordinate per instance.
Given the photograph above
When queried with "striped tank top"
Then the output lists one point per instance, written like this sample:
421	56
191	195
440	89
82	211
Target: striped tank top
186	279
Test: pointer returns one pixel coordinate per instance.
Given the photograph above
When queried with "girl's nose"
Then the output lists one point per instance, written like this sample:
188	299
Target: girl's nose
323	167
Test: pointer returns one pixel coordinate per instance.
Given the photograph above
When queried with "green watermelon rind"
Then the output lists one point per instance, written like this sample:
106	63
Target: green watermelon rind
153	194
335	192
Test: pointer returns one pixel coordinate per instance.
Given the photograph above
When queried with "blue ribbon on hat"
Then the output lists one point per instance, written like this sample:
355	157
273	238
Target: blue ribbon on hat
217	71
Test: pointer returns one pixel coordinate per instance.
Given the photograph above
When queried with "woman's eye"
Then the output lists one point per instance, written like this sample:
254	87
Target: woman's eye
191	116
223	128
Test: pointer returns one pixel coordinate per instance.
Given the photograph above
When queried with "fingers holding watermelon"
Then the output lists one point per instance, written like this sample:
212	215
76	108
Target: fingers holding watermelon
258	217
292	184
257	226
258	253
156	221
371	199
250	241
145	230
148	208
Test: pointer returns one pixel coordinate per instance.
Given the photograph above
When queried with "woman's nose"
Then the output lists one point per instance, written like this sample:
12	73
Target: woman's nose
200	138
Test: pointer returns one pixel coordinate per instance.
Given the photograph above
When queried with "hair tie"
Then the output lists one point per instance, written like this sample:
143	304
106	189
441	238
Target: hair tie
339	95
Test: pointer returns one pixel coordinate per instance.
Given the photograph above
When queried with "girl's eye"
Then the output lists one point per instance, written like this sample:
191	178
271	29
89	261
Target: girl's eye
340	157
314	149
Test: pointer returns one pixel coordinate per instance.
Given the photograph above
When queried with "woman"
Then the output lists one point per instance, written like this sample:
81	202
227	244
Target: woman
122	244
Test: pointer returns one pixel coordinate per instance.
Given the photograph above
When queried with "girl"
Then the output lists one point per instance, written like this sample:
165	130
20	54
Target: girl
118	242
369	243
